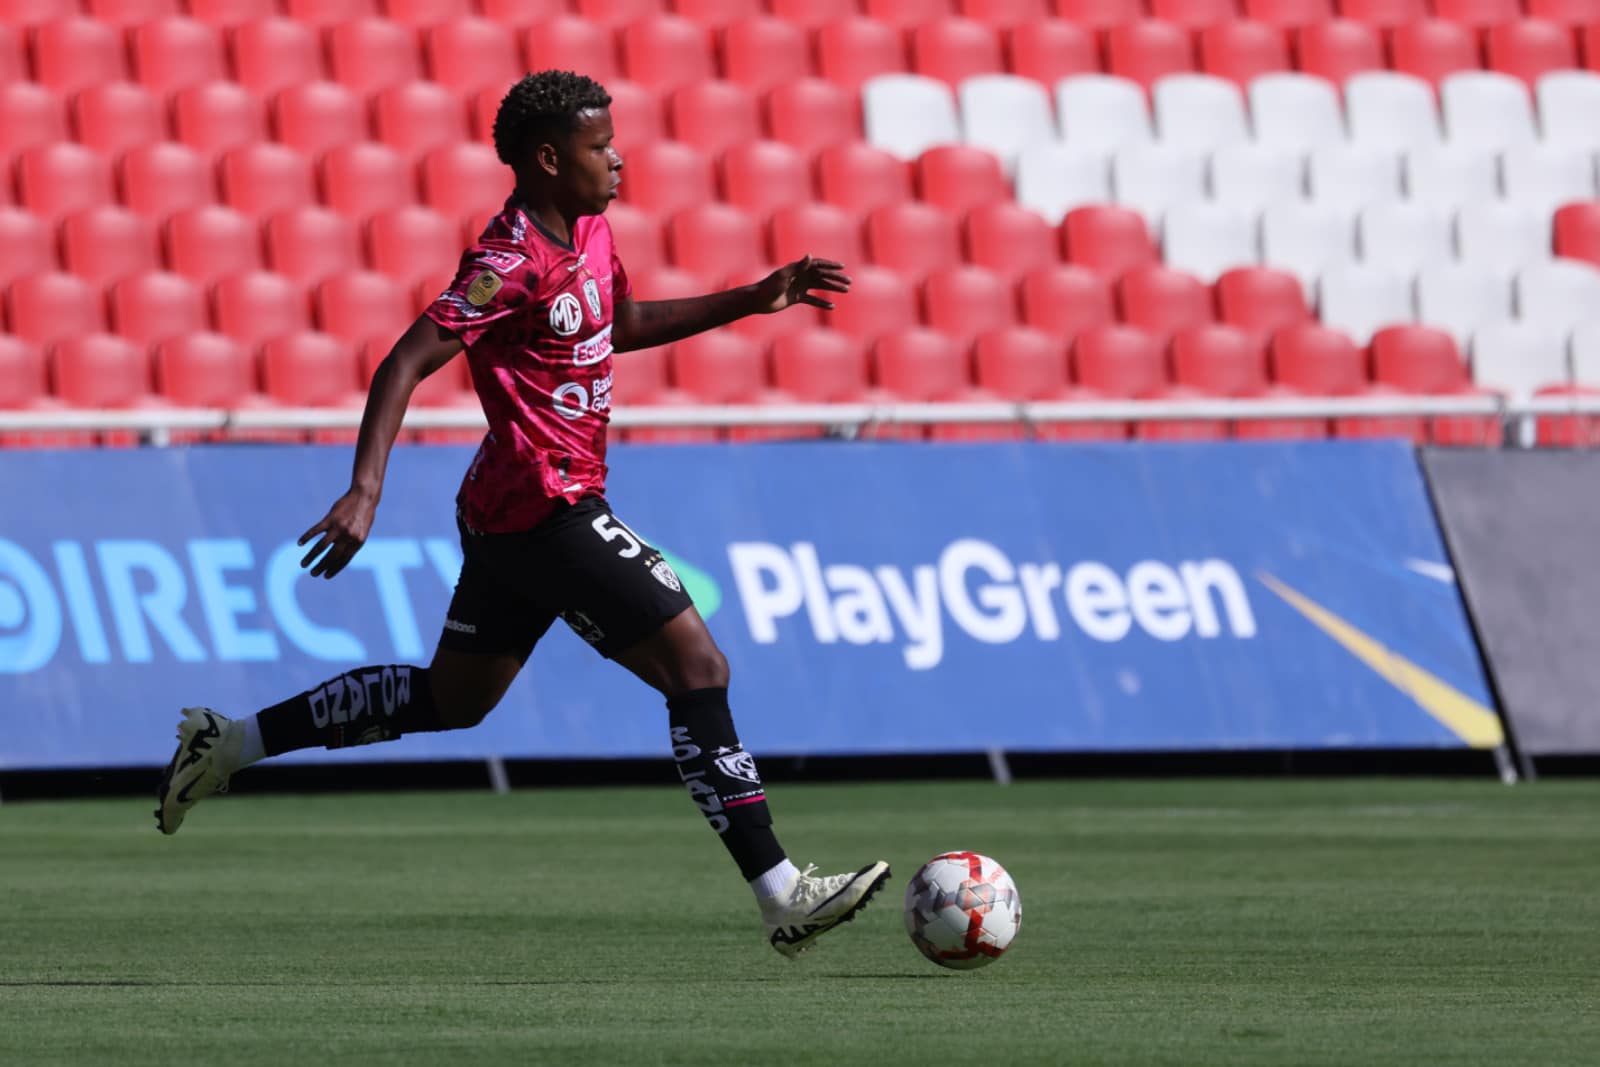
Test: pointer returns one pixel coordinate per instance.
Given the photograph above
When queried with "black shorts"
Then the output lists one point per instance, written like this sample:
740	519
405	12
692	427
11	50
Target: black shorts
581	564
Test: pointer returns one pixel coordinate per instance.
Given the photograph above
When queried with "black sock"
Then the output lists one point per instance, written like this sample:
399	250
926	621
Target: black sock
722	779
358	707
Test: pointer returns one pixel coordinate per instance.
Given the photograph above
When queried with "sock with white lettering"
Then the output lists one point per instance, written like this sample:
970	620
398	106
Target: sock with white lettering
358	707
722	779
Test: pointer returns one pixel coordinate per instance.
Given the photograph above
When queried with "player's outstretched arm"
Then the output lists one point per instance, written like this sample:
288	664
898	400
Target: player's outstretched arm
421	350
645	324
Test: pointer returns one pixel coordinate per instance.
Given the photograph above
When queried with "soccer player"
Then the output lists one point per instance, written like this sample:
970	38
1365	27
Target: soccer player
539	305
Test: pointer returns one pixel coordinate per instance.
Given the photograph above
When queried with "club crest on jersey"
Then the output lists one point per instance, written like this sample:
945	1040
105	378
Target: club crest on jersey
591	296
566	317
483	288
501	261
667	576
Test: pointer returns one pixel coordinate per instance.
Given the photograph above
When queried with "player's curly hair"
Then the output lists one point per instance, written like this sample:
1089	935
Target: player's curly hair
542	106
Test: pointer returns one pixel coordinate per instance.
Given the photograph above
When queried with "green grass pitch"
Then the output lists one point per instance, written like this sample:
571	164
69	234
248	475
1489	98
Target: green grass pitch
1226	922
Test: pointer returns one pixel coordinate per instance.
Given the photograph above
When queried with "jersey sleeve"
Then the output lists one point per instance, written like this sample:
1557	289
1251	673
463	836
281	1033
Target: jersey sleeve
491	284
621	287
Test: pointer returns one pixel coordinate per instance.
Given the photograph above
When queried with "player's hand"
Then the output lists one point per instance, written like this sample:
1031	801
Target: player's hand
792	284
342	533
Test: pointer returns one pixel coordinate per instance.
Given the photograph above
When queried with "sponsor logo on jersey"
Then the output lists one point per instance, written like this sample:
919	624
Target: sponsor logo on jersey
571	400
665	575
460	627
566	317
455	300
483	288
741	765
591	296
501	261
519	228
595	349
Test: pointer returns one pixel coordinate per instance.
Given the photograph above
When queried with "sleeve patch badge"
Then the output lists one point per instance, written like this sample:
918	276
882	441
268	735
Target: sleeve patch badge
483	288
499	260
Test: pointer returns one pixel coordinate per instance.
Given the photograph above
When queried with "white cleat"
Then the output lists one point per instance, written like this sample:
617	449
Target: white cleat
810	907
208	752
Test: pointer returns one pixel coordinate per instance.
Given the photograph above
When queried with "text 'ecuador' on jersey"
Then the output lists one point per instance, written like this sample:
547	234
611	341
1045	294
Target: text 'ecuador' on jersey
535	315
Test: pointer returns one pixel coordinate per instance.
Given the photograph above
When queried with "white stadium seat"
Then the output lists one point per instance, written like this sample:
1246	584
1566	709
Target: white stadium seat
1361	300
1152	178
1305	239
1389	110
1503	236
1199	111
1005	114
906	114
1517	358
1548	175
1447	177
1404	237
1586	354
1485	109
1052	179
1350	177
1559	294
1462	298
1102	113
1568	101
1254	175
1296	111
1208	239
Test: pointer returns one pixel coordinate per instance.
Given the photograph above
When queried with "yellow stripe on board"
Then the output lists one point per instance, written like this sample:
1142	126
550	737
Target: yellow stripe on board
1475	724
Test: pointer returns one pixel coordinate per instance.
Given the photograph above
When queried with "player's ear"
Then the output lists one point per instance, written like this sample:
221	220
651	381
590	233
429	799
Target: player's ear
548	159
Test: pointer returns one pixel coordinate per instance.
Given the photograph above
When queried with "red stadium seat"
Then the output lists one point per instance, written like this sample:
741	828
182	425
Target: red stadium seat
467	54
98	370
1119	361
1478	14
860	178
520	14
45	307
205	370
1065	300
1384	14
666	283
567	42
1590	46
1242	51
230	13
1288	14
641	378
273	53
636	115
155	305
907	14
1110	240
30	115
26	245
465	179
1260	300
1147	50
1021	363
666	177
310	370
58	179
213	117
1577	231
22	374
1531	48
760	53
257	306
820	366
716	13
958	178
1569	13
962	302
315	117
811	14
162	178
172	53
719	368
714	115
617	13
921	365
207	243
259	179
369	54
426	12
879	302
362	178
30	13
126	13
1048	50
418	117
114	116
1194	14
814	229
912	239
413	242
1161	301
104	243
1099	15
1337	49
663	52
73	53
852	50
1418	359
1433	49
309	244
1008	239
812	114
714	240
1216	359
638	237
1003	14
953	49
328	12
362	306
1317	361
763	176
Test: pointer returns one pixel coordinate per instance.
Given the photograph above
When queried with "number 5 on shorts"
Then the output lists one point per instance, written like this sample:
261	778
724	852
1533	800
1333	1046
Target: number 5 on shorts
611	528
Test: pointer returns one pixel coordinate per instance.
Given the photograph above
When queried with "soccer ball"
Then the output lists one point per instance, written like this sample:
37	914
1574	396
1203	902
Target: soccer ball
962	910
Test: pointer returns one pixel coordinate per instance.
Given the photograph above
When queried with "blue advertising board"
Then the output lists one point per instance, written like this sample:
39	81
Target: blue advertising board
871	597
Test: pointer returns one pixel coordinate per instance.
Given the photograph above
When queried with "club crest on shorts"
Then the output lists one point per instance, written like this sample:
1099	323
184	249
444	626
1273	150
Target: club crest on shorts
739	765
667	576
566	317
591	296
483	288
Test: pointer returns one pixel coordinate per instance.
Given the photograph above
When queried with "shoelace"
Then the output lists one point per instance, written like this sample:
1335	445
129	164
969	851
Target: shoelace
808	889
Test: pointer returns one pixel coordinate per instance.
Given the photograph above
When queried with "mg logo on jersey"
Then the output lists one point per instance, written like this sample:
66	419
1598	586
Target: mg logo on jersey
591	295
566	317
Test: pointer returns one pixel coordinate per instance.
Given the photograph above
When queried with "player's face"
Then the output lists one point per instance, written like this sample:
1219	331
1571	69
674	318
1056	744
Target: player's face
594	169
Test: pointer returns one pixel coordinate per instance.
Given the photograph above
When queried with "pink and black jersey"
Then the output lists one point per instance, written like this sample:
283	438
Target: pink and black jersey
535	316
